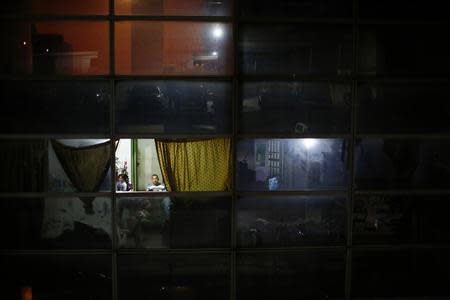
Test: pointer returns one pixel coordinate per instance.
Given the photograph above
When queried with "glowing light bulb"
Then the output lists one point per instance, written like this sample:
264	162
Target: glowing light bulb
309	143
217	32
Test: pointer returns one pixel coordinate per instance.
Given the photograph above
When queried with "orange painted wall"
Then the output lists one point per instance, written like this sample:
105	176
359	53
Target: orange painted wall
83	36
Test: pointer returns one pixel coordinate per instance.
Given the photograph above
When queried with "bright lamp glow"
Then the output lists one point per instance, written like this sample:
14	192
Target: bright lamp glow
217	32
309	143
214	53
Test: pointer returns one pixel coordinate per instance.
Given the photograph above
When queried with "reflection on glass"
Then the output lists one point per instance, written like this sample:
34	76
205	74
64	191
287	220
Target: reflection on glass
393	219
291	164
295	107
403	108
290	221
174	107
307	275
55	47
389	163
297	8
404	9
400	274
55	107
174	8
36	223
52	7
23	165
56	277
420	51
79	165
173	222
173	48
190	276
295	50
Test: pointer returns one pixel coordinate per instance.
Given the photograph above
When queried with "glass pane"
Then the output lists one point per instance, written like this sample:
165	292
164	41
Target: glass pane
419	51
309	275
155	276
389	163
47	223
290	221
24	164
79	165
394	219
403	108
174	107
174	48
404	9
55	47
51	7
174	222
175	165
296	49
295	107
56	277
292	164
55	107
174	7
400	274
297	8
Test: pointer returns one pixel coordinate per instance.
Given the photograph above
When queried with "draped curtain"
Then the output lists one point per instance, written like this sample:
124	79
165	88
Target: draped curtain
195	165
86	167
23	165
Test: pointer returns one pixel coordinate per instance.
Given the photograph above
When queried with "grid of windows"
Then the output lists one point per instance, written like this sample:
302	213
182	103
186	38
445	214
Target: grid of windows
327	135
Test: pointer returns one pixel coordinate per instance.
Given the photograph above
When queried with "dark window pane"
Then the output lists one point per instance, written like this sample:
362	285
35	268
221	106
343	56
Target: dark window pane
291	164
404	9
400	274
174	222
393	219
419	51
403	108
54	107
173	48
24	165
51	7
308	275
388	163
297	8
290	221
296	50
39	223
295	107
174	8
55	47
190	276
56	277
174	107
79	165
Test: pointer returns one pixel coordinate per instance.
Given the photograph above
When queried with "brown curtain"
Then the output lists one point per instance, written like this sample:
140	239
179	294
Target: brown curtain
23	165
86	167
195	165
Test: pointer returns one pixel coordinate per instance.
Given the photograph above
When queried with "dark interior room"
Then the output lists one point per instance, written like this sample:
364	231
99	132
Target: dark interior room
225	149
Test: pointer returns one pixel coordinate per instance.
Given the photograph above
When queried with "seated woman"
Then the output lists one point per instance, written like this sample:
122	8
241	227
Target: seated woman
155	185
123	183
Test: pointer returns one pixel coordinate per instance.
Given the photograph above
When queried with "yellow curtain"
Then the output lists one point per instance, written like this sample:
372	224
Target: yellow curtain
195	165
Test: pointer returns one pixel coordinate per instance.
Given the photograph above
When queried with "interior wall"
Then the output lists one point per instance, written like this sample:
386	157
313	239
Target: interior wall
147	163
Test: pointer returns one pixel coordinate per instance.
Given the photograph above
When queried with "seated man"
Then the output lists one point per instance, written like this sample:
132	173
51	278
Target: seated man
156	186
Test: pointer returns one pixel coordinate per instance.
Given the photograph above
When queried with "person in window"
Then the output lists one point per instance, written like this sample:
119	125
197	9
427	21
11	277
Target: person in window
155	185
121	185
